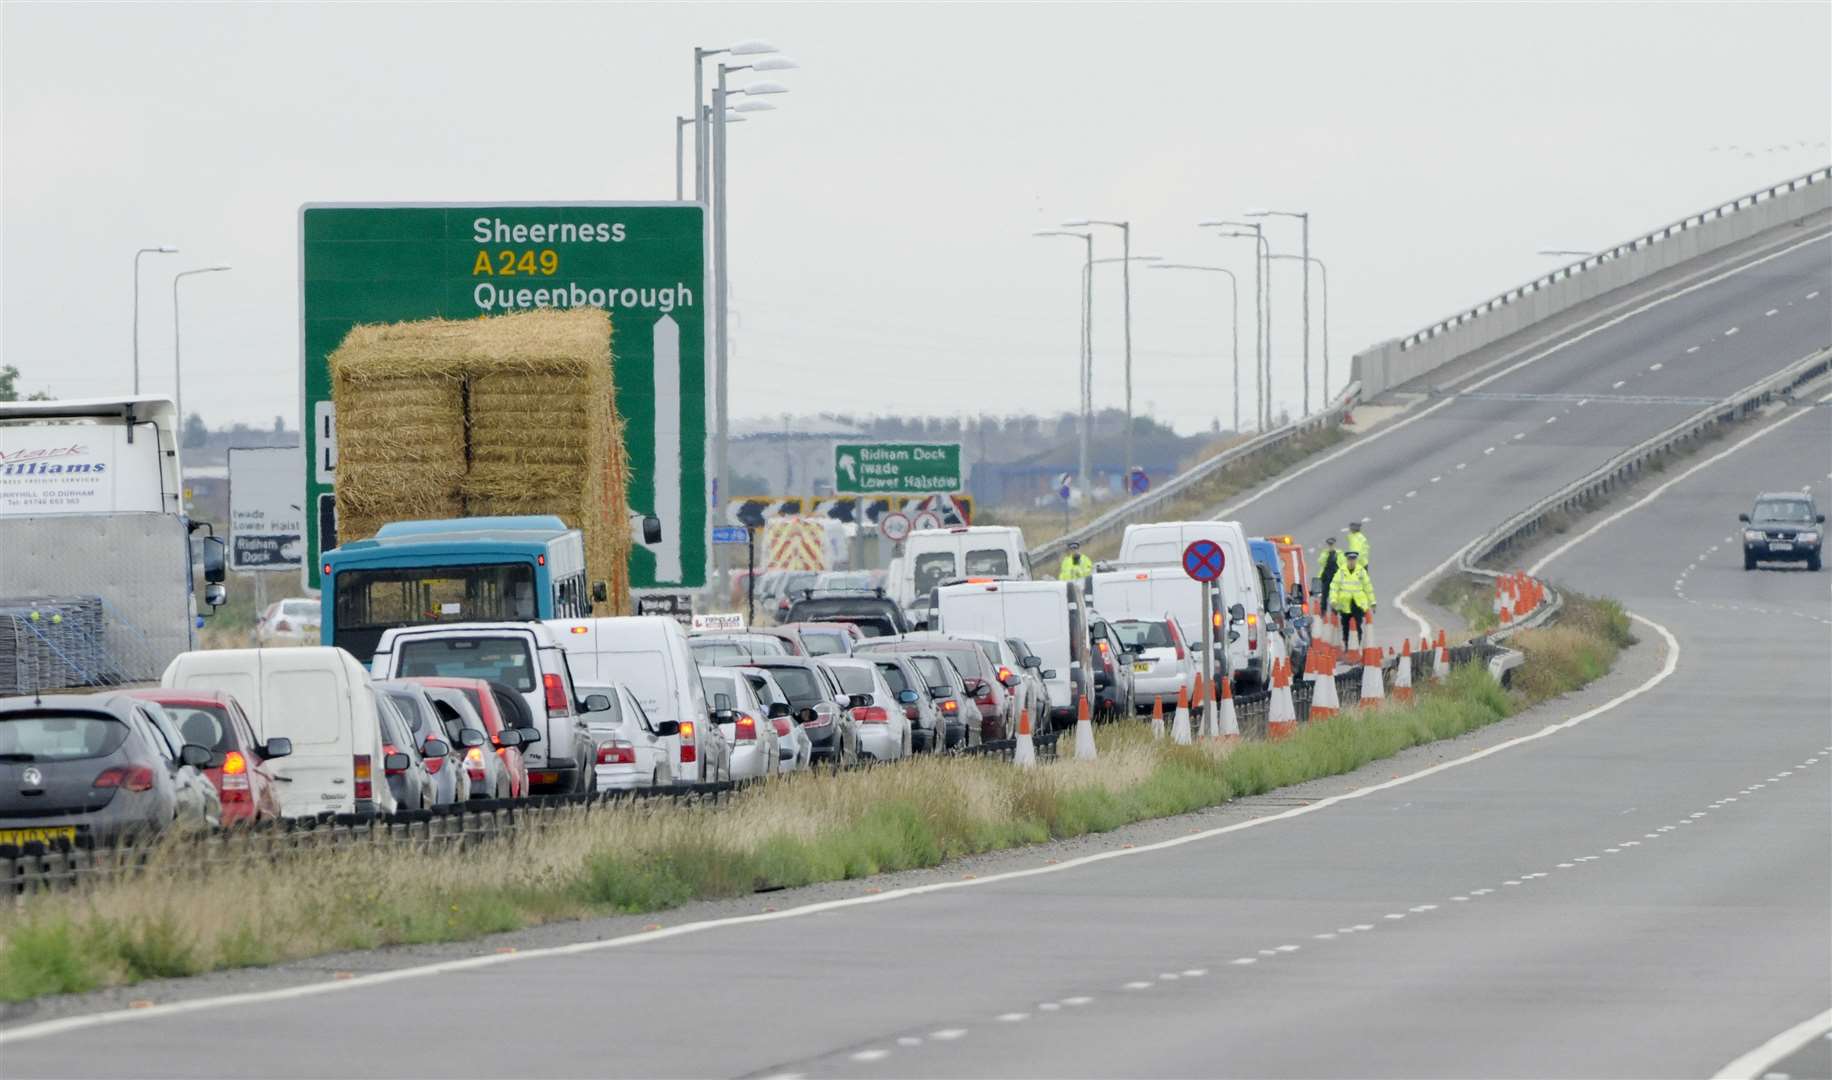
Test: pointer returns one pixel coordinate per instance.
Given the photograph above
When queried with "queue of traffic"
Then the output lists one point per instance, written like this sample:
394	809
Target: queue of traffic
461	661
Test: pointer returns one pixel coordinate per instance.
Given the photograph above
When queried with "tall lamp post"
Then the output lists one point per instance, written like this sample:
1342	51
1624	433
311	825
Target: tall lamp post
1125	228
177	360
1262	297
162	249
1303	216
1323	271
700	133
1234	292
1087	349
680	168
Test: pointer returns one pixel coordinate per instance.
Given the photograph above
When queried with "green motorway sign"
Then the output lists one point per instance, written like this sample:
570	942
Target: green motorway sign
897	468
643	262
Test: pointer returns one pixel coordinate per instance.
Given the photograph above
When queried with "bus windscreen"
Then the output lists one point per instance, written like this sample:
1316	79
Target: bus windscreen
368	602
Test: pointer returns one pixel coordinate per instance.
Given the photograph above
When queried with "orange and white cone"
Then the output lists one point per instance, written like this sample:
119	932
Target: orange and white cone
1180	721
1157	716
1281	711
1402	673
1024	755
1084	732
1324	703
1199	707
1227	721
1441	669
1373	686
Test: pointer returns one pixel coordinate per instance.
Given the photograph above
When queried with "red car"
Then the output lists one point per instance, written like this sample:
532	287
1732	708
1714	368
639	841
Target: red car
238	761
483	700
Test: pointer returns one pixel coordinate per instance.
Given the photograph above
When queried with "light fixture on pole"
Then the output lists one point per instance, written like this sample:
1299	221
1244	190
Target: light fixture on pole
1087	350
1125	228
1324	271
1262	308
722	117
1234	293
1303	216
700	134
162	249
177	359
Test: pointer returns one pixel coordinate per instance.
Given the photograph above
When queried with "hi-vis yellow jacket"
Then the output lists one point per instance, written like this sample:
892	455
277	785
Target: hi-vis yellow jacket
1351	587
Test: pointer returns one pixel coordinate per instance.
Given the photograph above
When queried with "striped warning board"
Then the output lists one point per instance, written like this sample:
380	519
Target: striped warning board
755	512
795	543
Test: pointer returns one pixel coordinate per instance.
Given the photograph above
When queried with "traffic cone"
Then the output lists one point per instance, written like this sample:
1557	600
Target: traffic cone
1157	716
1402	673
1180	722
1084	732
1228	722
1324	703
1024	755
1440	669
1373	687
1199	707
1281	711
1507	614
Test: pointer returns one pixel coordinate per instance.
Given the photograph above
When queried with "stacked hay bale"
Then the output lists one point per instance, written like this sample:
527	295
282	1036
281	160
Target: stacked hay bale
512	414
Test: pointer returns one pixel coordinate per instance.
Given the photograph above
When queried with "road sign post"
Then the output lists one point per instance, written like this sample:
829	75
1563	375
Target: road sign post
896	468
1203	561
643	262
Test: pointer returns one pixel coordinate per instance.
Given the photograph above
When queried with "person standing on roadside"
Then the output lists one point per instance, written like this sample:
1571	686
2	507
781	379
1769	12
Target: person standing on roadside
1351	596
1358	545
1330	564
1075	566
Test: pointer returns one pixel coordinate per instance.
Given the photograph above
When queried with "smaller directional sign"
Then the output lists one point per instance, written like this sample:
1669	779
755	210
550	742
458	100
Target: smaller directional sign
903	468
730	534
1203	560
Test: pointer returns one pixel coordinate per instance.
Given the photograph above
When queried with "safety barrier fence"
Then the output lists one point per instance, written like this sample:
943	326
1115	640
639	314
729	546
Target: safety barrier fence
451	828
1401	360
1149	506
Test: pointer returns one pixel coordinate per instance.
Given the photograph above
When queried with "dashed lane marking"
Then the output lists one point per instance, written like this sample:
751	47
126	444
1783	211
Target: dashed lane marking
1730	331
1770	311
1618	384
1655	367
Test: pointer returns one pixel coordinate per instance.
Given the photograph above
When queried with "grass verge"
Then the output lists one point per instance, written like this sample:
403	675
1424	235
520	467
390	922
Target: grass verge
181	918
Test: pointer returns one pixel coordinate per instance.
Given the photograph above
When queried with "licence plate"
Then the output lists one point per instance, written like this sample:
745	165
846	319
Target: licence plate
1141	666
1780	545
45	835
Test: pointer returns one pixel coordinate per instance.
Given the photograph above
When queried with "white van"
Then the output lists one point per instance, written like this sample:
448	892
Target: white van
649	655
1161	544
527	658
317	696
1046	615
933	556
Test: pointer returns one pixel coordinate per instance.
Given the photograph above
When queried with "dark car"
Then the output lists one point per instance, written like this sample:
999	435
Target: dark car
996	705
1784	526
927	730
214	720
84	769
952	698
819	706
874	615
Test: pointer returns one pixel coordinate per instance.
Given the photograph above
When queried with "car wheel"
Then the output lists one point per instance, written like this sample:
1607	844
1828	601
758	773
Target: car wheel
1749	561
1813	562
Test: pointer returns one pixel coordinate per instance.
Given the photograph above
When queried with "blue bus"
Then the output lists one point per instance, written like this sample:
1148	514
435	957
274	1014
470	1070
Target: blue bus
480	569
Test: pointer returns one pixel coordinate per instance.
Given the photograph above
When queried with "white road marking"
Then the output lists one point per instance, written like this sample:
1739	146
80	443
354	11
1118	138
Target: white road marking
1423	907
1195	973
1617	385
1012	1018
1462	464
1390	915
910	1040
1812	294
1655	367
1460	899
1364	926
1049	1006
1765	314
1288	948
1693	349
1730	331
1268	952
1409	495
1168	976
1781	1046
1520	435
1490	450
1245	959
1434	480
949	1034
871	1055
1583	402
1389	506
1549	420
1076	1001
1323	937
1561	866
1137	985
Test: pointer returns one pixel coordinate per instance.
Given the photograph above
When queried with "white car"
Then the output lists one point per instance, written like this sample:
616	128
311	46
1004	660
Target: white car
884	730
632	750
744	722
294	619
1166	661
794	750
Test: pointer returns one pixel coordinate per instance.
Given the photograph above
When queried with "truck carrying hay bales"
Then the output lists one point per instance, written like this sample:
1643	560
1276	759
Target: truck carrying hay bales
506	415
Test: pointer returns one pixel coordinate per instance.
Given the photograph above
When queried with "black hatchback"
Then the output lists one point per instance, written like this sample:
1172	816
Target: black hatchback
1784	526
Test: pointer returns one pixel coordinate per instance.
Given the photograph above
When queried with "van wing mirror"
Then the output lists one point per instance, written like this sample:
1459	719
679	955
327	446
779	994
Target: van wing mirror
1744	518
1237	612
939	692
858	701
530	736
215	559
198	757
665	728
596	703
509	737
779	709
277	747
215	595
724	716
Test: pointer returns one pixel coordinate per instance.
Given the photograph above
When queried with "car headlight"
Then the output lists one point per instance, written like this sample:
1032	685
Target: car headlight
1752	534
1808	538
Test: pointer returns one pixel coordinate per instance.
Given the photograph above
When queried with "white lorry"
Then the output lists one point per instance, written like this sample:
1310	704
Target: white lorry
933	557
1162	544
96	551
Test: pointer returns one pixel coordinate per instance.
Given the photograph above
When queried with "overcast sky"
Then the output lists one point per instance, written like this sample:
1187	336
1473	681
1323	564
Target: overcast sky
882	257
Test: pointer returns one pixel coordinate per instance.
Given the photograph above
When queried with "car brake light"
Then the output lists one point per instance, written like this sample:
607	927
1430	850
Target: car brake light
1004	673
235	772
909	712
782	726
540	560
557	705
130	777
283	625
433	763
950	705
744	729
580	630
689	750
365	784
819	720
616	752
871	714
473	762
1253	620
1215	620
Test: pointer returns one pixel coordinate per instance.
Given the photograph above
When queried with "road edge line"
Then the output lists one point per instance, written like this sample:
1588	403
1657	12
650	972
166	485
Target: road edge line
1751	1065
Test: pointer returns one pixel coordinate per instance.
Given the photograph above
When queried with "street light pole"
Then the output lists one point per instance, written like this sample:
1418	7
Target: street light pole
680	139
177	361
1125	228
1234	293
1324	272
1086	375
1304	217
1262	295
162	249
